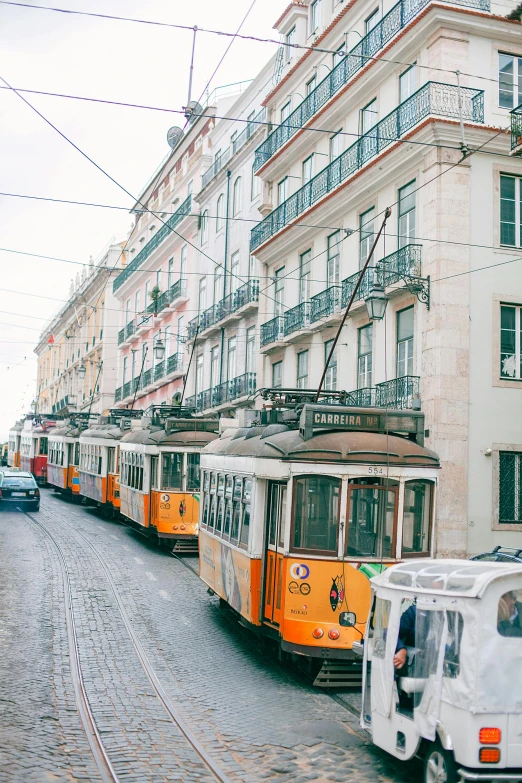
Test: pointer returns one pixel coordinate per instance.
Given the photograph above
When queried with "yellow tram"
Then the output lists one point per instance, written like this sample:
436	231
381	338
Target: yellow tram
301	507
63	460
14	441
160	475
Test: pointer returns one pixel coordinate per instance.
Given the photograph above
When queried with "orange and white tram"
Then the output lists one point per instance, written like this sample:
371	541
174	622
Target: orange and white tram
13	451
302	507
63	459
160	475
99	458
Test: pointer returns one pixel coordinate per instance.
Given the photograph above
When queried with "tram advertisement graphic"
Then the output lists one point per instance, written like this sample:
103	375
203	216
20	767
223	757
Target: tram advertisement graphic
299	571
337	592
229	577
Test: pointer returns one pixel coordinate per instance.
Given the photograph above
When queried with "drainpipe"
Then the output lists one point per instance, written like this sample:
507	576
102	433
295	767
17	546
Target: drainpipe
225	266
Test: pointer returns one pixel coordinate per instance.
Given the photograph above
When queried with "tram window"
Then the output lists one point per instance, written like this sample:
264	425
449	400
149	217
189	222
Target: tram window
238	488
213	482
43	446
154	472
221	485
219	519
99	461
247	490
371	522
206	510
417	514
206	481
76	454
236	521
193	472
111	460
316	513
228	487
245	527
172	471
228	519
212	520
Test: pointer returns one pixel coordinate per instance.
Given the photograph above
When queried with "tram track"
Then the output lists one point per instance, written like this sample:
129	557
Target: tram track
100	754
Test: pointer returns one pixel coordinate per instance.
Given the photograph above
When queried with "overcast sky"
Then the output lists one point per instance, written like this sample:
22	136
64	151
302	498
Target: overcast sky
116	60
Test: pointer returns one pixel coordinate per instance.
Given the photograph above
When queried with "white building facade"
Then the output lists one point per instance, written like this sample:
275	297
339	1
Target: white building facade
392	125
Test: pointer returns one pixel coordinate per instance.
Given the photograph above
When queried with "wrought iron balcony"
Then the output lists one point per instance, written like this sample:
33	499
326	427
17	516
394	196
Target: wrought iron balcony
121	336
239	142
219	394
434	98
159	371
363	398
391	24
117	394
399	392
153	243
326	303
402	265
130	328
242	385
190	402
296	318
177	290
516	131
174	362
225	307
204	400
272	330
146	378
126	389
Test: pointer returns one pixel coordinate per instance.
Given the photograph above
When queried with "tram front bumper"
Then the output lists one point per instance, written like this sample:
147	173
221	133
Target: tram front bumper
334	653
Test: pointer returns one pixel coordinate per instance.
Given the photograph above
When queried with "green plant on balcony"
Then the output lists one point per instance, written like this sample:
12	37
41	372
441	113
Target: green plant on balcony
155	295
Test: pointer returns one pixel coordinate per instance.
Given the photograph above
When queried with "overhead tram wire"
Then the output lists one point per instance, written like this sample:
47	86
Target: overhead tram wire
272	125
256	39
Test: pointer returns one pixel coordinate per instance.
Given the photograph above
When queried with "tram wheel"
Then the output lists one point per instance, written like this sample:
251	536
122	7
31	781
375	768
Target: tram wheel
439	765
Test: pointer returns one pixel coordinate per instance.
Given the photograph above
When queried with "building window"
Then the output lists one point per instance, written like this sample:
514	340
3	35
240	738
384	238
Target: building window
405	342
509	81
308	167
214	366
231	359
289	44
510	342
136	303
406	214
250	349
371	21
330	378
285	111
302	370
180	338
333	256
369	116
407	83
310	85
279	291
315	16
199	373
204	227
124	378
170	273
510	487
336	144
366	235
251	267
236	197
364	357
183	263
277	375
282	191
202	294
218	284
255	187
339	55
305	261
234	272
220	212
510	211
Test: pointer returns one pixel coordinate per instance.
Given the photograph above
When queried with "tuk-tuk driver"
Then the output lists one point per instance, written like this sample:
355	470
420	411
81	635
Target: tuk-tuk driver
406	636
509	618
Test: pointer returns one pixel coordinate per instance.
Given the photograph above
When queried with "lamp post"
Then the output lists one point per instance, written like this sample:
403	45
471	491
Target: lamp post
159	348
376	300
82	371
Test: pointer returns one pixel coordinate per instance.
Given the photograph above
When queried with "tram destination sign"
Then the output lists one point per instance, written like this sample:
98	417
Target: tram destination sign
340	417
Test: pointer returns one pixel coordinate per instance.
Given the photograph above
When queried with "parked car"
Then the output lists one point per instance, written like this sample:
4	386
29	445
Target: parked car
19	488
501	554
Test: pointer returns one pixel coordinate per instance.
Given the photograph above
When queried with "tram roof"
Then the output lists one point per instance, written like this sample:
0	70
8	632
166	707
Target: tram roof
103	432
464	577
17	427
160	437
276	441
67	431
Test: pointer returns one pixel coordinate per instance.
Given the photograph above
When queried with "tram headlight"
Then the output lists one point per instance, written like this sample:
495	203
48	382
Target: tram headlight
317	633
334	634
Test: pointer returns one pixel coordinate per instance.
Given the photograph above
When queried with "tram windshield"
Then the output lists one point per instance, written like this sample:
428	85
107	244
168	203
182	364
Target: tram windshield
371	521
193	473
316	513
172	471
417	515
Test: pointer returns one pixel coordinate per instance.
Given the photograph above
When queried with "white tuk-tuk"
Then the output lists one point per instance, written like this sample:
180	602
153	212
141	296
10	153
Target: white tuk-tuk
454	693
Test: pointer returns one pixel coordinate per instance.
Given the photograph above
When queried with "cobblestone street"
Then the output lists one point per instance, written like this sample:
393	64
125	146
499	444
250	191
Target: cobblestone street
175	688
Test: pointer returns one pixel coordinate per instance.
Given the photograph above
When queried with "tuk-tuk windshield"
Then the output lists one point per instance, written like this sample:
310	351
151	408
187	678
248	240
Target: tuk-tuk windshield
509	617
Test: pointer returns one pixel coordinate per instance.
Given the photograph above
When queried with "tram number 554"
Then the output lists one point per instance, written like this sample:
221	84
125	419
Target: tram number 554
375	471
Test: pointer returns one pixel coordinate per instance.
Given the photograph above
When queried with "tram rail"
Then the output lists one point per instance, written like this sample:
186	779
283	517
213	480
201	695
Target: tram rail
99	752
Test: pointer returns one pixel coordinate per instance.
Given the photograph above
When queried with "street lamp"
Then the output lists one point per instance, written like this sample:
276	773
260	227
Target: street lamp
159	348
376	300
82	371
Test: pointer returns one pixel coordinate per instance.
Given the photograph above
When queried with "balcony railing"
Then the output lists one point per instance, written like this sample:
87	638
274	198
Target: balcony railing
204	400
272	330
434	98
190	402
159	371
363	398
405	263
399	392
297	318
130	328
326	303
174	362
242	385
225	307
516	130
240	140
69	401
153	243
117	394
146	378
126	389
399	16
229	391
121	336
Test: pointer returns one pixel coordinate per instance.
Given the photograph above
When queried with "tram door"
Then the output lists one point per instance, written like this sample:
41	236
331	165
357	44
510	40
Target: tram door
274	563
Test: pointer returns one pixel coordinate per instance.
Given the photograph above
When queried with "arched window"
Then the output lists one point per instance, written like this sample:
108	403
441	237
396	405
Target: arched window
220	211
236	199
203	227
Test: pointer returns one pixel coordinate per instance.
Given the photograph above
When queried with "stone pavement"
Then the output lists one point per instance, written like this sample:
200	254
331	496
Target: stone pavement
259	720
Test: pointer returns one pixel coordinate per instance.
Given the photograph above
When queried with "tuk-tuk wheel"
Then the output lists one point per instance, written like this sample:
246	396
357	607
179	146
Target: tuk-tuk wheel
439	765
